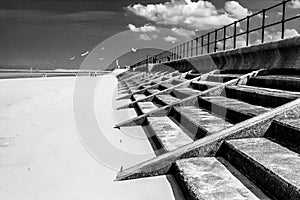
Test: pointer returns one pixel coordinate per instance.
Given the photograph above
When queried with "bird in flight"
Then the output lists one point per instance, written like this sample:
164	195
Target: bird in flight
133	49
72	58
85	53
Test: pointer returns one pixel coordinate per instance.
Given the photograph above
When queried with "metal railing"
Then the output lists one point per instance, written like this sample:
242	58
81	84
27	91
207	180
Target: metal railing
205	45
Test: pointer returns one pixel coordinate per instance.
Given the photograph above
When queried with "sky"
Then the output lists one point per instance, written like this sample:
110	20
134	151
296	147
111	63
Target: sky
56	33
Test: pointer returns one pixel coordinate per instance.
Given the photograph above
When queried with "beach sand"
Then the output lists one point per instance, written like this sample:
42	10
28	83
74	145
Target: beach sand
42	155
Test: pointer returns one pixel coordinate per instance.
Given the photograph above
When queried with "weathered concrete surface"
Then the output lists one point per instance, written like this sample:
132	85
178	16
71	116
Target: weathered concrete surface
191	100
208	146
261	96
146	107
169	134
138	96
279	54
207	178
276	82
165	99
199	122
181	93
260	157
233	110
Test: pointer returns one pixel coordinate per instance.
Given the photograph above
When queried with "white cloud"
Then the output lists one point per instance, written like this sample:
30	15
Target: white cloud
200	15
236	10
184	32
295	4
170	39
277	35
144	36
143	29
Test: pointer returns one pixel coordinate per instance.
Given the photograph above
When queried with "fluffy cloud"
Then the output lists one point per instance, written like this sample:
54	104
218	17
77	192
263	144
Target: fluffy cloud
295	4
236	10
183	32
144	29
170	39
144	37
277	36
201	15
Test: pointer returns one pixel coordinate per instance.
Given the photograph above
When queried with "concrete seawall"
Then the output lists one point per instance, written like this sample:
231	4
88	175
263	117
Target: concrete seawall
283	54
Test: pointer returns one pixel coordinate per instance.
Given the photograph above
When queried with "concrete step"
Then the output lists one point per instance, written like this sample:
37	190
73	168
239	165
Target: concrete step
286	132
207	178
178	81
233	110
271	166
169	135
164	86
199	122
145	107
260	96
276	82
151	91
222	78
203	85
137	97
165	99
182	93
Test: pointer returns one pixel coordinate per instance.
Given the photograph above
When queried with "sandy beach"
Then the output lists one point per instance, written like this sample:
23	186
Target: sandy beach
43	157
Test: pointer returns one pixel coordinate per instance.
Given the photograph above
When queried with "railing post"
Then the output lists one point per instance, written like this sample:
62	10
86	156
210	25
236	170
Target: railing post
187	48
234	35
208	35
202	40
192	47
216	38
283	19
183	50
197	46
224	38
263	26
247	31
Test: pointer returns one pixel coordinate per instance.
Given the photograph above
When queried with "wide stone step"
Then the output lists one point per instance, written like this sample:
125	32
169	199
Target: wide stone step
169	135
164	86
145	107
286	132
203	85
151	91
165	99
182	93
222	78
207	178
137	97
178	81
260	96
199	122
276	82
273	167
232	110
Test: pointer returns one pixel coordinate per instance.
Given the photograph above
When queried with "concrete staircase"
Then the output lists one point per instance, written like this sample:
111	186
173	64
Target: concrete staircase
265	166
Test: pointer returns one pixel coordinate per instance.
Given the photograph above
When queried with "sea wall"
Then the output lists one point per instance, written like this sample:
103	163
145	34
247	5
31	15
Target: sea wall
283	54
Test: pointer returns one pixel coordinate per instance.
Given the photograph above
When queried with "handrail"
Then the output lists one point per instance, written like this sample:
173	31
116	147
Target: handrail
190	49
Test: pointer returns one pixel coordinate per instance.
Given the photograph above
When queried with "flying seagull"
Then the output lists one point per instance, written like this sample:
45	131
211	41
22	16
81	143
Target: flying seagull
133	49
72	58
85	53
117	63
101	58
